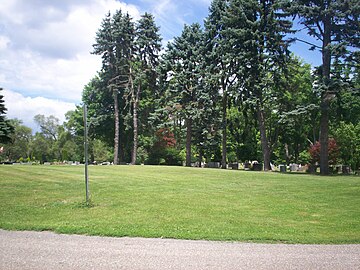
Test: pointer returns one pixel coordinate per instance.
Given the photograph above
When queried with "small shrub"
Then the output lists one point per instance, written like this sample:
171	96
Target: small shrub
314	152
304	157
173	157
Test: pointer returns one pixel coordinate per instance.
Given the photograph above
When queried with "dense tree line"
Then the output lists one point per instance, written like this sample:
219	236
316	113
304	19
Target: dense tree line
229	91
5	127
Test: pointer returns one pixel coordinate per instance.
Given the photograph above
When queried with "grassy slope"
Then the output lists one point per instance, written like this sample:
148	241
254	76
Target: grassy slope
177	202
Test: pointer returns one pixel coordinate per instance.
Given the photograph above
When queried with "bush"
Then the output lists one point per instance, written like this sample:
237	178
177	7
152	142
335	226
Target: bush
172	156
348	139
163	151
165	156
333	152
142	155
304	157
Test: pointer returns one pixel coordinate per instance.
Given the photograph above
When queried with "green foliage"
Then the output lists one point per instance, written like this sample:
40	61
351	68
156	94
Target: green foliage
242	140
335	24
182	60
297	110
304	157
49	125
347	107
342	17
70	151
115	43
6	129
250	52
142	155
163	152
125	88
348	139
185	95
172	157
101	152
20	144
41	148
99	102
142	85
233	84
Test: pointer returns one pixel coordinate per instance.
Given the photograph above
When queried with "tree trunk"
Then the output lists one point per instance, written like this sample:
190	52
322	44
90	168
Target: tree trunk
117	128
325	99
264	141
135	139
135	123
224	132
200	157
188	141
324	137
287	155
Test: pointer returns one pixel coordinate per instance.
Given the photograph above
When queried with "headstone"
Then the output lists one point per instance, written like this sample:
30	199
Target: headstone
105	163
257	166
294	167
345	169
312	168
282	168
247	166
213	164
234	166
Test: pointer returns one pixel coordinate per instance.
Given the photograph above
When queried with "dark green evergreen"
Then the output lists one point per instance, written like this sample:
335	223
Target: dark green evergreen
223	61
335	24
255	30
6	129
232	92
115	43
142	85
185	93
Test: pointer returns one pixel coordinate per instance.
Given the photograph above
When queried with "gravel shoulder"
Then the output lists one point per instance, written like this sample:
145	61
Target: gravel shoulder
47	250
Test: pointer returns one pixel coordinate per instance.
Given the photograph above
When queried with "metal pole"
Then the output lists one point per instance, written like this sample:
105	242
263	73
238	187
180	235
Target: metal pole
86	154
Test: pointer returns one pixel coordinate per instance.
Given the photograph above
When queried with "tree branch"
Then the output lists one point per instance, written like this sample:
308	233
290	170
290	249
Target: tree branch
312	32
308	43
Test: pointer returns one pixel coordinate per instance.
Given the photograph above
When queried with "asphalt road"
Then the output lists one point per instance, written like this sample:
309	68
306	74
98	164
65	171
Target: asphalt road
46	250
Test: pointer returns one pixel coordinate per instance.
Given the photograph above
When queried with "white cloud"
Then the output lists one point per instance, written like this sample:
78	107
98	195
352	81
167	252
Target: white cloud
4	42
25	108
45	45
59	78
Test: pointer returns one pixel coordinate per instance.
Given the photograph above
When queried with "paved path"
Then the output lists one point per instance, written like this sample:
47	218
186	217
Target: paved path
46	250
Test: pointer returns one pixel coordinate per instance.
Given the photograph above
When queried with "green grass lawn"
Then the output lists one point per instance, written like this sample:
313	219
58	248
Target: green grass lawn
178	202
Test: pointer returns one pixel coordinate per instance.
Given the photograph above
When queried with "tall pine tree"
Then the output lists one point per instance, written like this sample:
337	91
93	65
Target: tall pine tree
256	31
222	59
115	43
183	76
6	129
143	69
335	24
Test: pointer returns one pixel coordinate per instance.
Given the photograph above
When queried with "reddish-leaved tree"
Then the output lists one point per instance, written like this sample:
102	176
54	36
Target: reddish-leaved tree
333	152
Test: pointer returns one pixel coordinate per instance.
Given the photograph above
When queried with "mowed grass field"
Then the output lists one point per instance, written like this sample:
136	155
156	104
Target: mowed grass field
178	202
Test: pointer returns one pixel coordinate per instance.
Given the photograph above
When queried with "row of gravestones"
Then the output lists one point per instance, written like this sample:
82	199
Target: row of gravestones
344	169
335	169
282	168
292	167
235	166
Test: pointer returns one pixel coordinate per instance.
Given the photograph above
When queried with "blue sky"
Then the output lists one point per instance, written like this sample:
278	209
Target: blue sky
45	46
